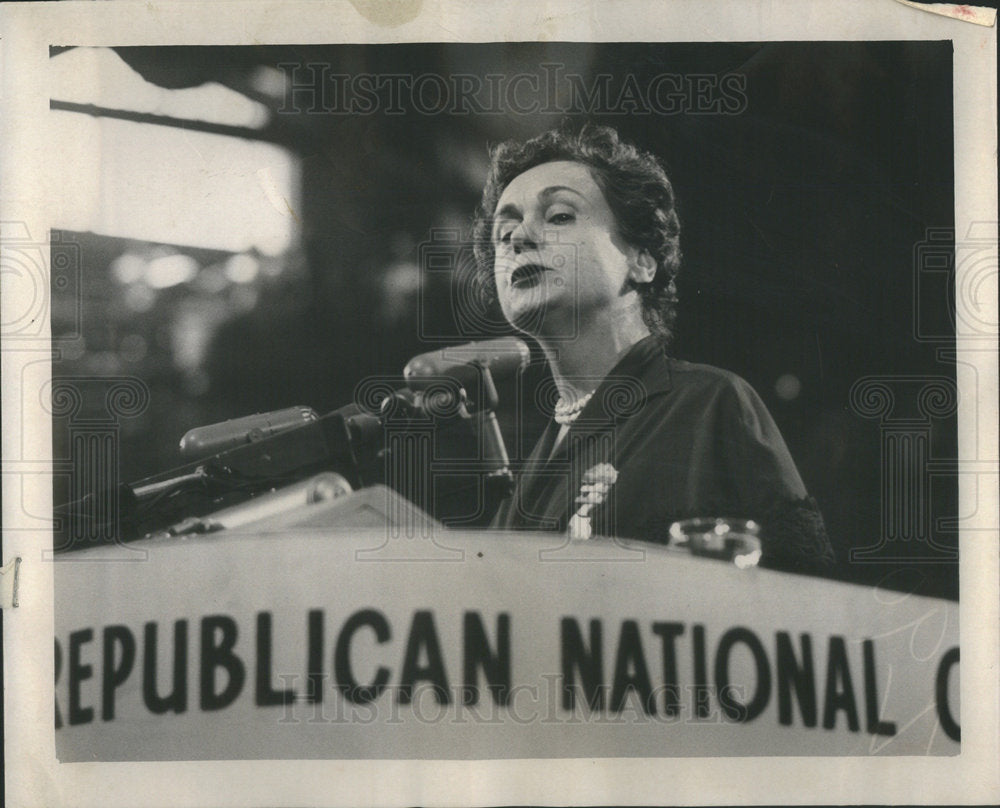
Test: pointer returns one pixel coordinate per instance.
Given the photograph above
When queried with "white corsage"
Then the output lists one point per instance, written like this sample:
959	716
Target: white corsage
595	485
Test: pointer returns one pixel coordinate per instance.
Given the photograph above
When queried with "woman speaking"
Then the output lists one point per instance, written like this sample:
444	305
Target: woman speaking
578	233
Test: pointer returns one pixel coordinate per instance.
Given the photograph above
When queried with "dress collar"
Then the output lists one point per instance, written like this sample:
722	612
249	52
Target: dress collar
641	373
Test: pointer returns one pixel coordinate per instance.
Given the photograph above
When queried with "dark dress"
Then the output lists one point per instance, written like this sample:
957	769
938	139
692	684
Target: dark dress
686	440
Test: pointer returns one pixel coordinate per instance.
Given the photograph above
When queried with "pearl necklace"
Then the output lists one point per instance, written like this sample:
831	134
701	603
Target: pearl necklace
565	414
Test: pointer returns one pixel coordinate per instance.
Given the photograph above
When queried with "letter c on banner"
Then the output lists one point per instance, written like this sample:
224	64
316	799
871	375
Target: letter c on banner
948	723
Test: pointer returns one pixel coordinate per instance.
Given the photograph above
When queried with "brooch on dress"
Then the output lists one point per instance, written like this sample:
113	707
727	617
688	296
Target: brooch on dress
594	488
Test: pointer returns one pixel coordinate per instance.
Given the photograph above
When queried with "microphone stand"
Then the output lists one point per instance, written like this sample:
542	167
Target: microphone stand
467	398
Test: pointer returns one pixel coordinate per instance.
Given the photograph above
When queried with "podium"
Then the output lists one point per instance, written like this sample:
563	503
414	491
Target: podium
356	627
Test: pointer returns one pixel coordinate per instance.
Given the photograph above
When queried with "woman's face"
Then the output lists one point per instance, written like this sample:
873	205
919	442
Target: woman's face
559	257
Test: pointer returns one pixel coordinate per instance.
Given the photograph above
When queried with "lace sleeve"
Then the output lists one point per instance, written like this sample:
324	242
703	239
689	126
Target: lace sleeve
793	537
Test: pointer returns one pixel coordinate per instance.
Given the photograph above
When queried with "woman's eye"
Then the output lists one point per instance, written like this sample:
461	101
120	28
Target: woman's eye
505	237
560	218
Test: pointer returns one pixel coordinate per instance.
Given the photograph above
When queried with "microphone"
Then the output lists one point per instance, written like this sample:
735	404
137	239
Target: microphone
213	438
462	363
472	367
466	365
240	464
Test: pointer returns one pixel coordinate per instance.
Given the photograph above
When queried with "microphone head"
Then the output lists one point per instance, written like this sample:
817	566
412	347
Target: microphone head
208	440
502	356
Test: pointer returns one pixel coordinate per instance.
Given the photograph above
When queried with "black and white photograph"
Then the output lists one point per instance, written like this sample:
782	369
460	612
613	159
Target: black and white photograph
594	411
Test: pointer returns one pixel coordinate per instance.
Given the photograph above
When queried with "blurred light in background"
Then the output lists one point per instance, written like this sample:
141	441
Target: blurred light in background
169	270
242	268
788	387
190	333
128	268
212	280
100	77
133	348
243	298
186	223
270	81
168	185
140	298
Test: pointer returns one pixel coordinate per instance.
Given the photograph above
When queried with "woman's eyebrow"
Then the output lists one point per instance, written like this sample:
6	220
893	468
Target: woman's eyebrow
512	211
551	190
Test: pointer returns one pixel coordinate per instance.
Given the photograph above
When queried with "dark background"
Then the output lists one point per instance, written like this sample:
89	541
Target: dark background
801	221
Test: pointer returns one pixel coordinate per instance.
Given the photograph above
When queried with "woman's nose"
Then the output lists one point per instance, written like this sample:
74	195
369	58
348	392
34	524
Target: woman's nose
524	238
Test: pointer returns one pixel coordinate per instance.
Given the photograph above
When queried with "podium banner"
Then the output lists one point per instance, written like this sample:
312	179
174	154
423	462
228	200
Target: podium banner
366	643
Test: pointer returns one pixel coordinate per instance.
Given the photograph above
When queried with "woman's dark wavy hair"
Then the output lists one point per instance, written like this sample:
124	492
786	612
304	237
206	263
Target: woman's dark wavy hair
637	191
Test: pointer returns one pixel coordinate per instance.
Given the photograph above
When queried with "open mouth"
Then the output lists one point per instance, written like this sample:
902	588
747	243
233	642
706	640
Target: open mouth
527	275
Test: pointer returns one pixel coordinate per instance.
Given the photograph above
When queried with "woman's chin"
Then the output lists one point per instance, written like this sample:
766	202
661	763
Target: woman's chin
544	319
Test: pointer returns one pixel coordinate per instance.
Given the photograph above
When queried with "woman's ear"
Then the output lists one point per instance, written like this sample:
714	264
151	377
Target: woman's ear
642	267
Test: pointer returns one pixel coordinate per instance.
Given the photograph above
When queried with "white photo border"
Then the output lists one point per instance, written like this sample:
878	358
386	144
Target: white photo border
33	777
